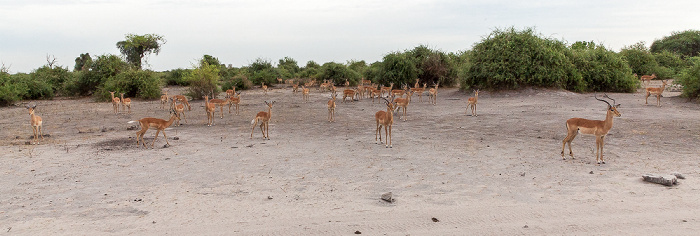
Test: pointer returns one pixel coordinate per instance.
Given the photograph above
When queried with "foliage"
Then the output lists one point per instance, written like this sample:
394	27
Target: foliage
311	70
54	77
203	80
240	81
690	79
86	82
288	68
398	68
603	70
83	62
21	86
357	66
262	71
640	59
136	47
210	60
373	72
133	83
338	73
674	63
433	66
510	59
685	43
176	77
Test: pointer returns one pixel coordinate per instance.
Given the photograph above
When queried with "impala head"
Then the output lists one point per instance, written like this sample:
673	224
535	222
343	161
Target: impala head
476	93
269	104
611	108
31	108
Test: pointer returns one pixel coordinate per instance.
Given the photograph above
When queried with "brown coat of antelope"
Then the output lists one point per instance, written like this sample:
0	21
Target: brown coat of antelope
154	123
646	79
331	107
220	103
471	103
386	119
115	102
36	123
403	103
182	99
432	94
164	100
349	93
264	87
599	128
305	93
126	102
656	92
180	110
209	109
235	99
264	119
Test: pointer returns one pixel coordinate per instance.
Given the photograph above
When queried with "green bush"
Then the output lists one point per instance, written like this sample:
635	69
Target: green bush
176	77
11	90
337	73
690	79
203	81
262	71
603	70
398	68
241	82
511	59
54	77
640	60
133	83
433	66
87	82
684	43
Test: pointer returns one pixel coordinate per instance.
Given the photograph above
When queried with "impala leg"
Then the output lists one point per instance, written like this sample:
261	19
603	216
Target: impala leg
262	125
475	110
166	138
598	146
658	100
602	143
378	131
251	131
386	136
267	130
183	116
222	112
156	137
389	136
646	100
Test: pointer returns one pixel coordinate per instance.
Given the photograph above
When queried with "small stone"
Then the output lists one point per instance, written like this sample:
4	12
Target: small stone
590	172
176	138
358	232
269	197
388	197
435	220
522	174
525	227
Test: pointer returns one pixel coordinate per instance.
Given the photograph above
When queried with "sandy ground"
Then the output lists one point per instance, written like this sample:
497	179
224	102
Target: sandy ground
500	173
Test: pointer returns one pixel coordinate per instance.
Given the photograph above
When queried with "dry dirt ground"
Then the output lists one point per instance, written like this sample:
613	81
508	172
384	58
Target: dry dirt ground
500	173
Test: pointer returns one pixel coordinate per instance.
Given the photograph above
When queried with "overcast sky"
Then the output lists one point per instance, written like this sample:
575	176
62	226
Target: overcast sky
238	32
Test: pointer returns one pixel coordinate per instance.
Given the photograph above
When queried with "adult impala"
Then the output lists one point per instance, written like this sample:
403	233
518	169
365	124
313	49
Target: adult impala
599	128
36	123
656	92
210	109
331	108
154	123
385	119
403	103
471	102
115	102
126	102
234	100
264	119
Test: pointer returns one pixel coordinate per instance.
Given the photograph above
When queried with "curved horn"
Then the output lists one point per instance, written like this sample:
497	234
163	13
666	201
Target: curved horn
596	97
614	103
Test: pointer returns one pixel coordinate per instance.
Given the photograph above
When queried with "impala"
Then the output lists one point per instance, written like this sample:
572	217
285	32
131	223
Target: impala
471	103
349	93
36	123
403	103
115	103
399	92
366	82
219	103
331	107
646	79
360	91
295	88
279	80
164	99
264	87
210	109
387	89
420	91
324	85
183	100
432	93
305	93
126	102
599	128
264	118
386	119
231	92
656	92
180	110
347	83
234	100
154	123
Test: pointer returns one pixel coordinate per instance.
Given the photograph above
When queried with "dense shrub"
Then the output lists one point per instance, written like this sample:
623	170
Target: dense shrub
640	60
176	77
398	68
433	66
510	59
685	43
603	70
133	83
11	90
203	80
241	82
337	73
690	79
262	71
55	77
86	82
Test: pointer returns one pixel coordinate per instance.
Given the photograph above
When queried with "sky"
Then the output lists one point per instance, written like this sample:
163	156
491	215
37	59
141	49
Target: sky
239	32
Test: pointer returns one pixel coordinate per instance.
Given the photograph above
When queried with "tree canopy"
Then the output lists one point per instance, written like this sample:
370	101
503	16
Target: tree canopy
685	43
136	47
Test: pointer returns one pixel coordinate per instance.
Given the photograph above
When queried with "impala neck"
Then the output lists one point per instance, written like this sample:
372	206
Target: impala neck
608	123
172	119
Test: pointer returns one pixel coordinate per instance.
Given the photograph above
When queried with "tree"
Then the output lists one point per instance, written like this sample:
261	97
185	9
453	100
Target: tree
210	60
685	43
136	47
83	62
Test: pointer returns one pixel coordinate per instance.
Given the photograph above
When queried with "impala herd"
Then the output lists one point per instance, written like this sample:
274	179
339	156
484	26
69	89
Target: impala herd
393	98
